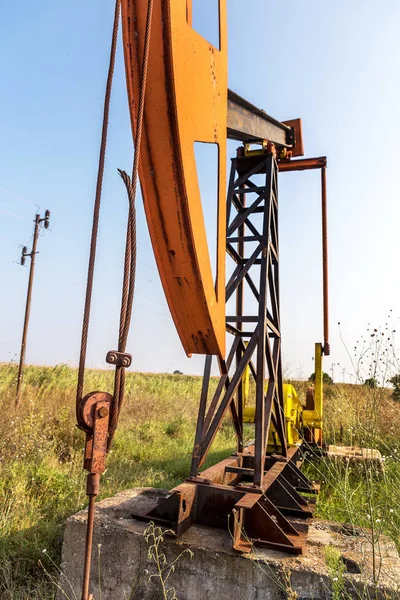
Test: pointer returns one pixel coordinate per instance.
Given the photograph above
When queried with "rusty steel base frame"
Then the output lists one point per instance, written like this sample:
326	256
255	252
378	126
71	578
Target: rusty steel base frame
273	515
254	495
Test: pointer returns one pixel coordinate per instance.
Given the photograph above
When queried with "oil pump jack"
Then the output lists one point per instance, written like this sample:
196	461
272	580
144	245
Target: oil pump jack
257	492
188	101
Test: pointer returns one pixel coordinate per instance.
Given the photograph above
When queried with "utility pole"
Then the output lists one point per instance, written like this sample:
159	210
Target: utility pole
333	371
32	255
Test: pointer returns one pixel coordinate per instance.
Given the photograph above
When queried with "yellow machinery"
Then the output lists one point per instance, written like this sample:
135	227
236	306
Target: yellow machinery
303	416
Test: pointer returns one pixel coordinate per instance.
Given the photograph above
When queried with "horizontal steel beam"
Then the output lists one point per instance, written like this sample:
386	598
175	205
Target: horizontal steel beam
246	122
303	164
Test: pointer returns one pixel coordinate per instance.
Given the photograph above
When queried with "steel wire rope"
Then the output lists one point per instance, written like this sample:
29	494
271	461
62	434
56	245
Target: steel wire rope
128	288
89	284
96	210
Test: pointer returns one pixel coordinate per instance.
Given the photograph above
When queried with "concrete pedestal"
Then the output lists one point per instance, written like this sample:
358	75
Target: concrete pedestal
122	570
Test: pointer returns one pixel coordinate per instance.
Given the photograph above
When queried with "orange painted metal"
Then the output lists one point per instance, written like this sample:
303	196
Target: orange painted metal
186	102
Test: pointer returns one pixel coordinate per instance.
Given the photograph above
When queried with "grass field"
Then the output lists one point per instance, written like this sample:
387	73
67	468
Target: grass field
42	481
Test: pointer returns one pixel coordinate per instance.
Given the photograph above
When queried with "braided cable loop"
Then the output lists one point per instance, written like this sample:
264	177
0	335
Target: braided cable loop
128	286
96	209
128	289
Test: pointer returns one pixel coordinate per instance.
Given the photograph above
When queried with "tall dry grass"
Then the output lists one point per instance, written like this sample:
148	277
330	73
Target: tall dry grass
41	476
42	481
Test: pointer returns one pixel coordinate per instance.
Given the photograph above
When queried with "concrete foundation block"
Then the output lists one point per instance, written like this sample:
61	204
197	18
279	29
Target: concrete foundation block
122	569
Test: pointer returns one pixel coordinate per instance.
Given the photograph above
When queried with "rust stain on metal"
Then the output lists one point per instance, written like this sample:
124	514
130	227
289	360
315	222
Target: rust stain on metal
296	125
260	517
306	164
93	417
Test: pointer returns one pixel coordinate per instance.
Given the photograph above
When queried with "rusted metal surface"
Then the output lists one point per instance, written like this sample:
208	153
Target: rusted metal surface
264	331
302	164
93	417
93	413
202	411
325	261
119	359
309	164
239	543
265	526
238	319
223	497
179	115
215	474
88	549
248	501
297	127
274	472
246	122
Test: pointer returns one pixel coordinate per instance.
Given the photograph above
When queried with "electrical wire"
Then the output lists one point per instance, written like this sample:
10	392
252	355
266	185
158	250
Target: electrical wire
7	212
20	197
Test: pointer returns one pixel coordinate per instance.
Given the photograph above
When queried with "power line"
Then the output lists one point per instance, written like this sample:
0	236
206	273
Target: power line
19	197
7	212
150	267
10	241
154	300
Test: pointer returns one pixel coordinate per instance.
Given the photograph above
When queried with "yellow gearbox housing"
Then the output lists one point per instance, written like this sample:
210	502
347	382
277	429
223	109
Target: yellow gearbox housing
293	411
303	418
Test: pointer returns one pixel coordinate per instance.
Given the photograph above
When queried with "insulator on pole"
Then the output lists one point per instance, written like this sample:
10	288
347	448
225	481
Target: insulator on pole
46	219
23	255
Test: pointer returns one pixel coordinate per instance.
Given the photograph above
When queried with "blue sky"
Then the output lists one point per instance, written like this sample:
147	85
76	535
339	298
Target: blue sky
334	64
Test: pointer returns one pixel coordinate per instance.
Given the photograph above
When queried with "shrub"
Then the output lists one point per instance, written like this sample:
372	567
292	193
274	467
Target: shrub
395	381
326	378
371	383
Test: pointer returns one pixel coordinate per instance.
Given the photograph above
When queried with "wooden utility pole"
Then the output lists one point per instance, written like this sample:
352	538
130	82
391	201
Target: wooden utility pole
32	255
